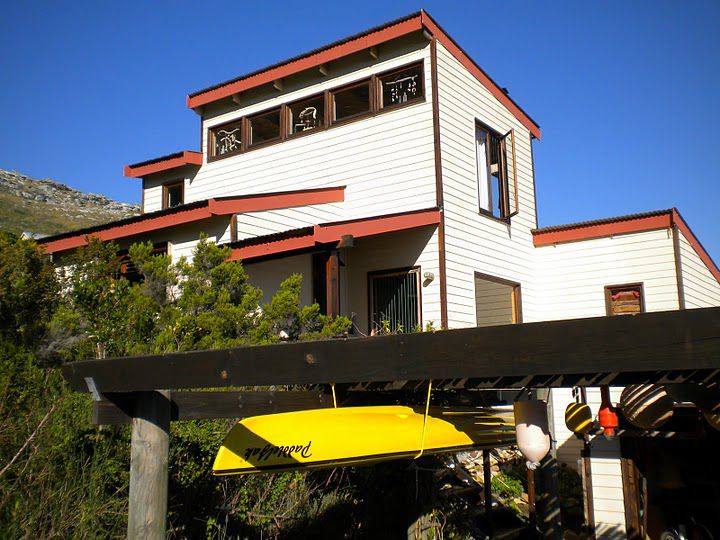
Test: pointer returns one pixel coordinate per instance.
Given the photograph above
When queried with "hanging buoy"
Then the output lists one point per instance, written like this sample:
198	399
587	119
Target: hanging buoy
646	406
531	429
579	418
607	416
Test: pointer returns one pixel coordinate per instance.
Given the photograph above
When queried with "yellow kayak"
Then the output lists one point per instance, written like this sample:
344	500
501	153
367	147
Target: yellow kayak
357	436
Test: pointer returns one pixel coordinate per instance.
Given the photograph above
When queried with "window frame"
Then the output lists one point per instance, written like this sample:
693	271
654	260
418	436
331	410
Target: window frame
608	298
321	127
327	95
395	106
247	132
504	191
516	293
389	273
166	193
356	116
211	156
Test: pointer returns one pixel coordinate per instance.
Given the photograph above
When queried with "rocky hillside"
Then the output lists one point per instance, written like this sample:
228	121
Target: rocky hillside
45	207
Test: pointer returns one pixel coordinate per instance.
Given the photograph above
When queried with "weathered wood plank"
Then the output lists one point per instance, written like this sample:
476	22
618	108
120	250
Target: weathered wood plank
662	346
118	408
149	467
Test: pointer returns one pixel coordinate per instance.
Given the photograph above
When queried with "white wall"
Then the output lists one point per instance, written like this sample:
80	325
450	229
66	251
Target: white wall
417	247
572	276
699	285
474	242
268	275
254	224
153	186
386	161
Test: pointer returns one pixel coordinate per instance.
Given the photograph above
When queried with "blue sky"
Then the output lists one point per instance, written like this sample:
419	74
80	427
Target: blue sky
626	93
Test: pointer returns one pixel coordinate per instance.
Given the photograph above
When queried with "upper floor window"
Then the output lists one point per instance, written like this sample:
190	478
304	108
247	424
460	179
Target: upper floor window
624	299
401	86
173	194
378	93
492	173
307	114
352	101
264	127
226	140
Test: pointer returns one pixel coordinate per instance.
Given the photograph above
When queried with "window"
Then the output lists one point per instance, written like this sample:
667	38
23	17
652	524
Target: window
307	114
624	299
127	268
401	86
352	101
376	94
264	127
226	140
497	301
173	194
492	173
395	300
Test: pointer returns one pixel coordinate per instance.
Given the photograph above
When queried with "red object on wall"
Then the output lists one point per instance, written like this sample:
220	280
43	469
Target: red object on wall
607	416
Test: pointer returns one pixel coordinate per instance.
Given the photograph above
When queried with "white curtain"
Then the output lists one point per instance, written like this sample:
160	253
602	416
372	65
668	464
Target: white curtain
482	169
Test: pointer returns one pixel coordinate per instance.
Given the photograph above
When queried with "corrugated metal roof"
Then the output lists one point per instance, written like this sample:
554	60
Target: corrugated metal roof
306	54
581	224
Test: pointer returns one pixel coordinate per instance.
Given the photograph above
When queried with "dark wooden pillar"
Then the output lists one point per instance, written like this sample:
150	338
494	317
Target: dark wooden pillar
332	273
147	511
547	503
487	489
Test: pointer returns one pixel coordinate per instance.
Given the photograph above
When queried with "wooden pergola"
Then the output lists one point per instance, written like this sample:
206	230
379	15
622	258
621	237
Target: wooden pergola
651	348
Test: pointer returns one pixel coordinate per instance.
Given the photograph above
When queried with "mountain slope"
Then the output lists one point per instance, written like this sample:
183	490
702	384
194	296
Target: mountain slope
48	207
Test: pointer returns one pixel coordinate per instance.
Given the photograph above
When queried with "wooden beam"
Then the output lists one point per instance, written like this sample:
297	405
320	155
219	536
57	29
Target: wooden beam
674	346
149	467
237	98
323	69
332	287
374	52
119	408
278	85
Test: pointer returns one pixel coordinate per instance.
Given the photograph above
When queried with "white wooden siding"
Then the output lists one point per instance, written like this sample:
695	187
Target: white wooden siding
572	276
700	286
153	186
474	242
254	224
386	161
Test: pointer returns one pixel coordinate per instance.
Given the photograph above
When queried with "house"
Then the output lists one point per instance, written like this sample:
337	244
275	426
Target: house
393	173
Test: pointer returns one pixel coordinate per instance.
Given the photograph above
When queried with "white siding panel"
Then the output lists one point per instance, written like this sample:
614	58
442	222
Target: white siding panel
417	247
573	275
268	275
474	242
273	221
699	285
386	161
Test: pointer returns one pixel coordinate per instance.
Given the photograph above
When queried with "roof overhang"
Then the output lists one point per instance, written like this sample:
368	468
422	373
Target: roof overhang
588	230
163	164
374	37
190	213
330	233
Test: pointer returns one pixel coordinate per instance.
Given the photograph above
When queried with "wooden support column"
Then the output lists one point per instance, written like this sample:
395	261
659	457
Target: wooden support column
332	273
487	488
547	503
147	512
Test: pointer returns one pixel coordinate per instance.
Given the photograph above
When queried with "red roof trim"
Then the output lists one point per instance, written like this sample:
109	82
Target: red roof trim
602	229
461	56
214	207
391	30
327	233
663	219
165	163
695	243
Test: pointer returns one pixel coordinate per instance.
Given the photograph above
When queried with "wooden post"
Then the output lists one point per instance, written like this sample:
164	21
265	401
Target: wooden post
147	511
332	268
532	516
547	501
487	489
